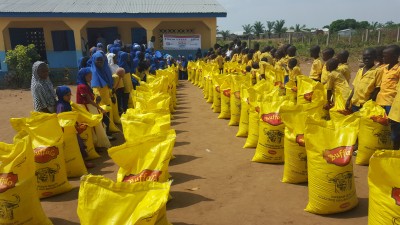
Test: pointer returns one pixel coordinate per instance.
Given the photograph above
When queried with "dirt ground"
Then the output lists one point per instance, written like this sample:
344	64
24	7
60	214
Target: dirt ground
215	183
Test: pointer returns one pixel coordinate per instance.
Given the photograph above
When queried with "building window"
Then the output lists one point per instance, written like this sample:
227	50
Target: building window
63	40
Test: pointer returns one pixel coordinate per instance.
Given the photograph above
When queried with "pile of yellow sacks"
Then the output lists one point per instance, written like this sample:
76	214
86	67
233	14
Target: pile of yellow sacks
288	124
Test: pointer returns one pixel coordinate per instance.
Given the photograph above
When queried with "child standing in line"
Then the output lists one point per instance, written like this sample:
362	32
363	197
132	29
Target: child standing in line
220	62
336	83
327	54
64	105
118	87
293	69
316	68
343	67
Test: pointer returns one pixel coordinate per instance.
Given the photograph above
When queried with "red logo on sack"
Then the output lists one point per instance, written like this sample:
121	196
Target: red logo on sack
300	140
45	154
340	156
237	95
7	181
272	152
272	118
218	89
227	93
145	175
344	205
308	96
383	120
257	108
396	195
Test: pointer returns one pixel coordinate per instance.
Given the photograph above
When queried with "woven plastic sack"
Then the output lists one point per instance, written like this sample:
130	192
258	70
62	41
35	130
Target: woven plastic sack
104	202
254	121
225	99
19	198
217	81
47	144
271	131
73	158
210	85
330	145
295	155
384	188
244	113
309	90
235	99
144	159
374	132
136	125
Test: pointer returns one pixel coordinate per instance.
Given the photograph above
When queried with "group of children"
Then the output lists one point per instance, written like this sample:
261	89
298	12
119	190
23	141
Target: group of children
377	79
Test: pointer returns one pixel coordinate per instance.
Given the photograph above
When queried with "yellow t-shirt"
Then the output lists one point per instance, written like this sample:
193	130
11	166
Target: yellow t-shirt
256	56
337	83
244	59
118	83
264	67
220	62
268	56
345	70
316	69
365	84
294	73
279	72
324	75
390	79
394	113
128	86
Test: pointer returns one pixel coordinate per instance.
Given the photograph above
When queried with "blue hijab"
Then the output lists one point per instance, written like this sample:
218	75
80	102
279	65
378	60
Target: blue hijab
82	77
101	76
61	91
123	61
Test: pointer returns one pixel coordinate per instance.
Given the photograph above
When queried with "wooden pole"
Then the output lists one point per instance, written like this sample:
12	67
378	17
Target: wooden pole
379	36
328	38
366	35
398	34
290	38
350	37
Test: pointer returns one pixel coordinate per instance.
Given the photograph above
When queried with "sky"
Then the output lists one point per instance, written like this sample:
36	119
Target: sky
312	13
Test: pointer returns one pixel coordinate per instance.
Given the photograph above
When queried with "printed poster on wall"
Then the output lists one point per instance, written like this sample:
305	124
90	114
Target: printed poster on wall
181	42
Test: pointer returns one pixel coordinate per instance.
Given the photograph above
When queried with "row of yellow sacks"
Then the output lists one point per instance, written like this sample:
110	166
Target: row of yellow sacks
274	122
141	190
46	151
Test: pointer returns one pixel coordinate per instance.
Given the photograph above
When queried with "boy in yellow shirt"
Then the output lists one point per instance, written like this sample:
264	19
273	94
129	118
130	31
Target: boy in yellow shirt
220	62
336	83
294	69
343	67
327	54
316	68
388	96
366	83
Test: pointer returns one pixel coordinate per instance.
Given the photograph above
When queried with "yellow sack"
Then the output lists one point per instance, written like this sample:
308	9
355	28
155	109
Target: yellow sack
225	99
254	120
295	155
91	120
144	159
47	143
19	198
384	191
244	113
210	98
374	132
271	131
136	125
100	138
217	81
339	112
153	102
100	202
331	187
309	90
73	158
205	89
235	100
292	95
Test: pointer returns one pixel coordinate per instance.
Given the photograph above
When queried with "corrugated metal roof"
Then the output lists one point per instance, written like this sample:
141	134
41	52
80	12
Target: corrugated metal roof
111	6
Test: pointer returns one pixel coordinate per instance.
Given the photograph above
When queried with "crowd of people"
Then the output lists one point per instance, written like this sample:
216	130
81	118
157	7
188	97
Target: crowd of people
377	79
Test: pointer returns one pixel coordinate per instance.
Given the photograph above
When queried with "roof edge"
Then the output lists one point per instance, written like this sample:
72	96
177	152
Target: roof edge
111	15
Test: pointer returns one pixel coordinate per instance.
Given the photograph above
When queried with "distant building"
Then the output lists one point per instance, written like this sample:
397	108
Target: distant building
59	29
346	32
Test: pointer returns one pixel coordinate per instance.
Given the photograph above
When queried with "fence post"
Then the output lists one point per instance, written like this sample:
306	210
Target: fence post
379	36
398	34
350	37
290	38
366	35
328	38
302	38
362	37
309	40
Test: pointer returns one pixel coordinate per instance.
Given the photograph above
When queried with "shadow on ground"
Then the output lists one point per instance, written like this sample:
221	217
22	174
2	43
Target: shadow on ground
185	199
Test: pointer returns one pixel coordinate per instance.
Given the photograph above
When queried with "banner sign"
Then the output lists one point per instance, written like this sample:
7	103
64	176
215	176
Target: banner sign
181	42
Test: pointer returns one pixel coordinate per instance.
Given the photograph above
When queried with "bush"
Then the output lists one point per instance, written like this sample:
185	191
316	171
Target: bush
19	63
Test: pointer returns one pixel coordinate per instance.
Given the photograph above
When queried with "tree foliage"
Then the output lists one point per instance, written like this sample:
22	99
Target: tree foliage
248	29
270	27
258	28
19	61
279	27
225	34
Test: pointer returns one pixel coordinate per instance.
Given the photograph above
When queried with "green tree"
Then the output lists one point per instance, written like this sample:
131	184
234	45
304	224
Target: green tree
258	28
225	34
279	27
19	62
270	27
298	28
248	29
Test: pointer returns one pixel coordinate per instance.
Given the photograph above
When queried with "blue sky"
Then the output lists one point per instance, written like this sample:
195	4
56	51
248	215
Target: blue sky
312	13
